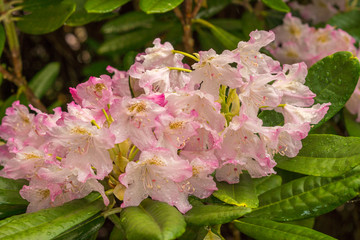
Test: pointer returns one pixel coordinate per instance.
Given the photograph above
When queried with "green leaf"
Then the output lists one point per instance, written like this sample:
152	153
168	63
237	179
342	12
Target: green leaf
9	101
333	79
207	40
206	215
131	41
278	5
103	6
127	22
11	202
308	222
267	183
239	194
307	197
227	39
52	222
348	21
2	39
213	7
152	220
45	18
117	234
271	118
159	6
84	230
323	155
264	229
351	125
44	79
194	233
251	22
81	16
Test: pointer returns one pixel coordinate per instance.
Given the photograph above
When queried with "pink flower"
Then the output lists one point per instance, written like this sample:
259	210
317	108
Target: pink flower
156	174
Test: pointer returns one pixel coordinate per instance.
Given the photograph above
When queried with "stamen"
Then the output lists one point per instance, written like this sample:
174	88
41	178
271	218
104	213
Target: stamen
179	69
93	122
186	54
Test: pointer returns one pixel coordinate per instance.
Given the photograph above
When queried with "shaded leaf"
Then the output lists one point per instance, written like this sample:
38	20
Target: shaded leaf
131	41
239	194
307	197
44	79
52	222
227	39
348	21
55	14
263	229
84	231
323	155
127	22
11	202
308	222
333	79
82	17
352	127
2	40
157	220
206	215
103	6
267	183
158	6
212	8
278	5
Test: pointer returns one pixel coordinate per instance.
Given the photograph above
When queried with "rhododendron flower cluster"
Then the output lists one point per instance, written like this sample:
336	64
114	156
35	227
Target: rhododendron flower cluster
161	129
296	42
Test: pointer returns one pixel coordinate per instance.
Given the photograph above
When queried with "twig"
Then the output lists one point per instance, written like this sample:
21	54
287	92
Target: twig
16	76
197	8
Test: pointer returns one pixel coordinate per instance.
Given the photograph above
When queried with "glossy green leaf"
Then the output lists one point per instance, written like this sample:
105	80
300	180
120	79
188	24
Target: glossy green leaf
227	39
11	202
264	229
239	194
278	5
271	118
159	6
307	197
212	8
83	231
348	21
131	41
2	39
267	183
81	16
207	215
55	14
128	21
152	220
44	79
103	6
351	125
53	222
333	79
323	155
